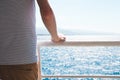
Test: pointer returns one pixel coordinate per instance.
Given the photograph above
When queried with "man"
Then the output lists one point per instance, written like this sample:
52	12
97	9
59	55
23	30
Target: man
18	60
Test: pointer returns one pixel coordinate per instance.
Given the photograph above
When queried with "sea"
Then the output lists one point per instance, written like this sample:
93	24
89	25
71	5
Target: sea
82	60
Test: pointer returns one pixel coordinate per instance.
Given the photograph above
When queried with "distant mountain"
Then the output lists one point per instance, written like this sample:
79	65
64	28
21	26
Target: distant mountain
43	31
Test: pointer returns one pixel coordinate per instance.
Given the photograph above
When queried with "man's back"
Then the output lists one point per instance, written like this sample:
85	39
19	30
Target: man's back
17	32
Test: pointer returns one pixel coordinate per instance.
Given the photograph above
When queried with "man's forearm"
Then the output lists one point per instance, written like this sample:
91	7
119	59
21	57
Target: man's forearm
48	17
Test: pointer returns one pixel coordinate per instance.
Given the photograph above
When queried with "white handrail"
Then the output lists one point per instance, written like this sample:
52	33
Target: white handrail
82	41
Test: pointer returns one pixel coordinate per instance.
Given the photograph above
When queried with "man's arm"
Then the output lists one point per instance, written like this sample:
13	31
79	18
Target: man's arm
49	20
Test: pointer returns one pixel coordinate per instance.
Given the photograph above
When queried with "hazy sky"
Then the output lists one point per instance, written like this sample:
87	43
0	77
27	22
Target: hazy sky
94	15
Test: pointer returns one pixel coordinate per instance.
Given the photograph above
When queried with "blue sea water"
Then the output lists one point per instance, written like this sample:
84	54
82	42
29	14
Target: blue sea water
98	60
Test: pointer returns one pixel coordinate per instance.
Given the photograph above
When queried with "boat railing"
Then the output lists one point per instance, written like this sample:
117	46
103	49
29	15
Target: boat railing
80	41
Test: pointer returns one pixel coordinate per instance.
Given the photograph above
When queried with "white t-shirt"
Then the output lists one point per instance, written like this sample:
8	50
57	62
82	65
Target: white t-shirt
17	32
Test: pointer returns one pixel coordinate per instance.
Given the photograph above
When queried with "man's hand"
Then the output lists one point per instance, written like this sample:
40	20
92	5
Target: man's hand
59	38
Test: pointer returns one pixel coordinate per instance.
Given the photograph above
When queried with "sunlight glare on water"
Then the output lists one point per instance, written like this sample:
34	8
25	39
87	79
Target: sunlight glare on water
80	61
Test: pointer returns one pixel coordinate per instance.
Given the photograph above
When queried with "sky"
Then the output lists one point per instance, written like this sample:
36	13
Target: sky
85	15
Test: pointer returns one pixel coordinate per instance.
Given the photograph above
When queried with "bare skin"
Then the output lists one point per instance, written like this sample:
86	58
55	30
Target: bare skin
49	20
